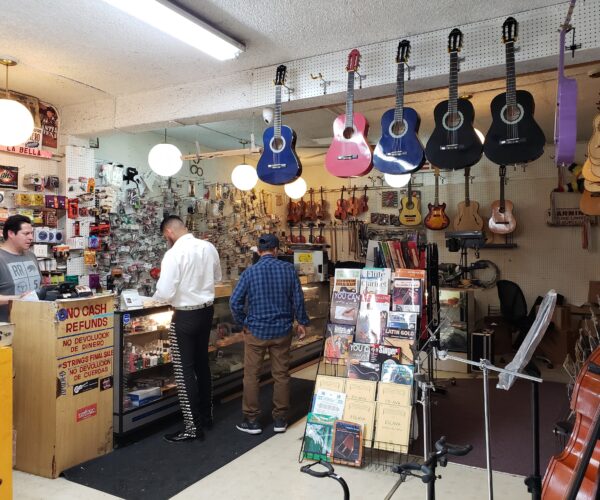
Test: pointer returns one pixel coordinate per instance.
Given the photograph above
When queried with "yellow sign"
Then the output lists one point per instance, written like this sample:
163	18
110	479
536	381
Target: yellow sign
305	257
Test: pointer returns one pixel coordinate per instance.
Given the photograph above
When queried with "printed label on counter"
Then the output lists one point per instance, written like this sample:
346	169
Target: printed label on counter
92	365
88	385
86	412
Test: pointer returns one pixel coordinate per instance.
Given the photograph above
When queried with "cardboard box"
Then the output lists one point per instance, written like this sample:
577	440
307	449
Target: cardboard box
144	396
593	292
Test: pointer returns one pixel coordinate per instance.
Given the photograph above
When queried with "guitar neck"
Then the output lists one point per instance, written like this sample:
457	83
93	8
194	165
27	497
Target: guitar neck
399	112
350	100
453	87
511	86
502	176
277	114
467	175
437	189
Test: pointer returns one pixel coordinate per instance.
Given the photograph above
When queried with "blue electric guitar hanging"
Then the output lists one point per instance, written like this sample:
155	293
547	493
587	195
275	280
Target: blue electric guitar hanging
399	150
279	163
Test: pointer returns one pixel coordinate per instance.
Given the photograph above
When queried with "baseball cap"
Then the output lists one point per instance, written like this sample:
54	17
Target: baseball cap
267	242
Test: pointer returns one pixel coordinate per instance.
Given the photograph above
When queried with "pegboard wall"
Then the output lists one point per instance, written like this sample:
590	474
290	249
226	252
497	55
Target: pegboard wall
482	48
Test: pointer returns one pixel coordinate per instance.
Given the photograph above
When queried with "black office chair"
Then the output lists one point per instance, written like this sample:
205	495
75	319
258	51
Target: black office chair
513	308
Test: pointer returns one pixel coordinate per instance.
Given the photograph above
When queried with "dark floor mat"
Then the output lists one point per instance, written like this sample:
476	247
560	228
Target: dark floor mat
151	468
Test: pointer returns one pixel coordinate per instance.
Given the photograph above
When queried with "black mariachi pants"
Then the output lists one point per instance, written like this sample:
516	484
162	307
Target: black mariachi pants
188	336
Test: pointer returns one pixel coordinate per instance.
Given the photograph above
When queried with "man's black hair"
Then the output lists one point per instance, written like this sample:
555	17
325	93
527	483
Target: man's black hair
14	223
168	220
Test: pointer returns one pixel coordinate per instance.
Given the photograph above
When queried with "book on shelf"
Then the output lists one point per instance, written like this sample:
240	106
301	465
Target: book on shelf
338	339
393	371
331	403
346	280
361	412
363	390
394	394
318	437
337	384
401	325
372	318
407	290
344	308
364	370
375	280
406	354
347	443
393	427
381	353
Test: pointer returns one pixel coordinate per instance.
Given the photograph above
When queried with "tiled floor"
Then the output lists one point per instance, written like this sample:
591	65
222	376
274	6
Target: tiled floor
271	471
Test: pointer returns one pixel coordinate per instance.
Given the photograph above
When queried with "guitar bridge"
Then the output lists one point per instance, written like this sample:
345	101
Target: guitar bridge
277	165
516	140
347	157
397	154
452	147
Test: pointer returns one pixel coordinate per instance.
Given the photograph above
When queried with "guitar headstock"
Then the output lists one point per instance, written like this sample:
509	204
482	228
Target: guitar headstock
403	52
510	30
280	75
455	40
353	60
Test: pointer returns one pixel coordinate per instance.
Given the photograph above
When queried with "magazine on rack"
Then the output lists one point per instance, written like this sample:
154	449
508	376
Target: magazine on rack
347	443
329	403
318	437
372	318
375	280
401	325
338	339
346	280
407	290
344	308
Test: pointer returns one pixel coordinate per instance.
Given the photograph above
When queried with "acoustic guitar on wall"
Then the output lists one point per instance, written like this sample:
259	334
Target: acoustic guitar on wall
399	150
436	219
514	137
468	218
349	154
453	143
410	215
502	220
279	163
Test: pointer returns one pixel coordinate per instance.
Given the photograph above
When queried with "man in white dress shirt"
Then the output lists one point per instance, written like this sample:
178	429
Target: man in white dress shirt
188	274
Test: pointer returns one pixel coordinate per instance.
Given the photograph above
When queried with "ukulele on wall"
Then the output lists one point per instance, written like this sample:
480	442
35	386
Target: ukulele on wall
565	118
502	220
341	210
279	163
437	219
454	144
399	150
410	214
349	154
514	136
468	218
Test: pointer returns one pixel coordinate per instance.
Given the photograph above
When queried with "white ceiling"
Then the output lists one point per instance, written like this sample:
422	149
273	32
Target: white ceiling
77	51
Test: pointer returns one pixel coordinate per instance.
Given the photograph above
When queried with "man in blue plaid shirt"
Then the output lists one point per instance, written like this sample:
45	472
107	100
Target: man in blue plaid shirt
274	296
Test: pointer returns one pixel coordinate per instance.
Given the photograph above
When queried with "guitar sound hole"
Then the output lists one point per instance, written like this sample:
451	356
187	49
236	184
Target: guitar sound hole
398	128
348	133
512	113
453	120
277	144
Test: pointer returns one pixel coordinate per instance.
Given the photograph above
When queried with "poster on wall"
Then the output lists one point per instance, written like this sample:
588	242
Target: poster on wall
49	123
9	177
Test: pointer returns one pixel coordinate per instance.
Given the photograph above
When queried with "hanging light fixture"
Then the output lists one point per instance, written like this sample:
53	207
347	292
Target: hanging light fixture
165	159
296	189
397	181
244	176
16	122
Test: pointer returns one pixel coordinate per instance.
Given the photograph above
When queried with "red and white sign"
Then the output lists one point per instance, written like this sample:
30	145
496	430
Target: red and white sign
87	412
22	150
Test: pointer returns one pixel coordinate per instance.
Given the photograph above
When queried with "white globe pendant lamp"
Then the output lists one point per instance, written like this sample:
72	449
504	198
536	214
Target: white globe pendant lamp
397	181
244	177
165	159
16	122
296	189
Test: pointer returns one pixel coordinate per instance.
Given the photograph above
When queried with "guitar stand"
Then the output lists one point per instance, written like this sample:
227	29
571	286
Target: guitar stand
328	472
428	469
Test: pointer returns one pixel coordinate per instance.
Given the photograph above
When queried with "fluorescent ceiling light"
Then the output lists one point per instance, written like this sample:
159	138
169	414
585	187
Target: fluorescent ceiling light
184	26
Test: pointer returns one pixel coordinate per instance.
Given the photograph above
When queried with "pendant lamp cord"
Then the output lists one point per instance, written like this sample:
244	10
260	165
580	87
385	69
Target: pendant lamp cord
7	81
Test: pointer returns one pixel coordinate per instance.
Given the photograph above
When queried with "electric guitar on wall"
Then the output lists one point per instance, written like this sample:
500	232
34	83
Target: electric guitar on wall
410	214
399	150
279	163
349	154
565	119
436	219
454	144
468	218
502	220
514	136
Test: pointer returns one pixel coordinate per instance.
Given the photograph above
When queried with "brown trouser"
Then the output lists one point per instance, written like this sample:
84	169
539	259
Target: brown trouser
254	355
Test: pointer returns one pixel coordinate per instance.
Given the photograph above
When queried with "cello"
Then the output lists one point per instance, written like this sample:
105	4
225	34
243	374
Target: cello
573	475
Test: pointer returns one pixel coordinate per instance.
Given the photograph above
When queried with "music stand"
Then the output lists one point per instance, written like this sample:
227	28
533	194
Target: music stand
507	378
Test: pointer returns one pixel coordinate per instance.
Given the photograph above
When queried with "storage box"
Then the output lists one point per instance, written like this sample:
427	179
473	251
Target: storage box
144	396
593	292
